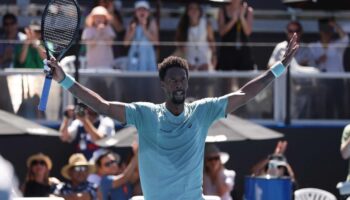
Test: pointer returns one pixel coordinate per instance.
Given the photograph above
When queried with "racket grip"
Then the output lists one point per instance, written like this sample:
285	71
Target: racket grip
45	93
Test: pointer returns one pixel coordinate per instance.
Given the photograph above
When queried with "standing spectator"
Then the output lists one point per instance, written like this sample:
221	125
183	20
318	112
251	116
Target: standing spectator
38	183
113	184
99	36
217	180
77	187
197	31
141	36
85	129
117	25
31	53
11	33
235	25
327	54
298	65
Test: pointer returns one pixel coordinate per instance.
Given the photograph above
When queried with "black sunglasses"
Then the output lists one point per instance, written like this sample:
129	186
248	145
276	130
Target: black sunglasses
38	162
110	163
214	158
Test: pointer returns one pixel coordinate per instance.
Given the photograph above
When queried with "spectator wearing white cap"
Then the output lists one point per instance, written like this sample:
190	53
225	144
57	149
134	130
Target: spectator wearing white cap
99	36
141	36
217	180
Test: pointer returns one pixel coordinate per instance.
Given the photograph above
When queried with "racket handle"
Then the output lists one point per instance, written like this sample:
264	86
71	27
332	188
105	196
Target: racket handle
45	93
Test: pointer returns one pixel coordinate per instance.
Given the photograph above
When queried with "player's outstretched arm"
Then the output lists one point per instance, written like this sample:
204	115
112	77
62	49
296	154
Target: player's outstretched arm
253	87
114	110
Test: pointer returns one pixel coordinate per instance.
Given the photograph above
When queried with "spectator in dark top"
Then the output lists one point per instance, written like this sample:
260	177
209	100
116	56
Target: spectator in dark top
11	33
77	186
38	183
235	25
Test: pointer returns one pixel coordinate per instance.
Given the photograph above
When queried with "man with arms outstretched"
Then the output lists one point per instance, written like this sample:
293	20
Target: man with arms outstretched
172	134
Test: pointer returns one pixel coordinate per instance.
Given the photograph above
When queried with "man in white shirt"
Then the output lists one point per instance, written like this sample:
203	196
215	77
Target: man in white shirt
327	54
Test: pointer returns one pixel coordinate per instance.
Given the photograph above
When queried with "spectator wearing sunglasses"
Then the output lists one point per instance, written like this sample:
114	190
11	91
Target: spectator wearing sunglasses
77	186
113	184
38	183
217	180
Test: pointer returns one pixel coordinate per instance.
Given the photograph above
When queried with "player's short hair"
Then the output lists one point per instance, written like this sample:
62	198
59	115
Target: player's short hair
170	62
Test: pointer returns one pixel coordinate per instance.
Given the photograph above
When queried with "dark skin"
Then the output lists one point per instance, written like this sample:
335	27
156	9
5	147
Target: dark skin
175	81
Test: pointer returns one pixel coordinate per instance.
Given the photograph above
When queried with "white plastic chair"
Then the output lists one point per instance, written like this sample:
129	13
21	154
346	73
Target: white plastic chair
313	194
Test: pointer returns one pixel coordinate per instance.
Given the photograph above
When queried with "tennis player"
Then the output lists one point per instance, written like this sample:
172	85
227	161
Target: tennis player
172	134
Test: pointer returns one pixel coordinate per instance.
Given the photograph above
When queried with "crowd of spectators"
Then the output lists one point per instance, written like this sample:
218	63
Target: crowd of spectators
111	43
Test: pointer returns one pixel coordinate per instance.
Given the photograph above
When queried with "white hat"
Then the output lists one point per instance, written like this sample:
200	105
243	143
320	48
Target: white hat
142	4
212	149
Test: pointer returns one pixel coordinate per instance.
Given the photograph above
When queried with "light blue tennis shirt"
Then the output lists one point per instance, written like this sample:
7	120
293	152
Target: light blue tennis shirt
171	147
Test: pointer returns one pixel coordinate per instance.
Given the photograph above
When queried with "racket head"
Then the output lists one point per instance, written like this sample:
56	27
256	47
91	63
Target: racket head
60	24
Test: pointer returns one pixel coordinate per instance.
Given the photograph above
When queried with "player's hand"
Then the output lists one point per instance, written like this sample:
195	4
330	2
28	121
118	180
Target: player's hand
292	47
56	70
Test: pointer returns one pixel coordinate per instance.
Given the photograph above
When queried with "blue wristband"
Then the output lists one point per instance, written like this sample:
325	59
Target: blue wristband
278	69
67	82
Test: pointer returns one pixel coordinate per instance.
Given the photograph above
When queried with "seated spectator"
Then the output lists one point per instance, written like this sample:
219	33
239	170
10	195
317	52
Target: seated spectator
82	126
31	53
77	186
327	54
38	182
115	185
141	36
235	25
194	28
99	36
11	33
275	165
217	180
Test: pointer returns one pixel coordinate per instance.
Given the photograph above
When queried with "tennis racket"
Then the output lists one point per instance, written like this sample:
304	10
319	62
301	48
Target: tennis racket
59	29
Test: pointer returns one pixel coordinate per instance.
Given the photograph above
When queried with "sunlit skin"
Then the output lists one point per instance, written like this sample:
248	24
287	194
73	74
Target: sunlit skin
78	177
40	172
142	15
194	13
99	21
112	169
175	87
291	29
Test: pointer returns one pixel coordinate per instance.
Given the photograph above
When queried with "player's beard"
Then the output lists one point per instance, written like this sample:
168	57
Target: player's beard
178	99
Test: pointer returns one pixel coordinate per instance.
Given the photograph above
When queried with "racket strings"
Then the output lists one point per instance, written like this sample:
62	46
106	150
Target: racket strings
60	24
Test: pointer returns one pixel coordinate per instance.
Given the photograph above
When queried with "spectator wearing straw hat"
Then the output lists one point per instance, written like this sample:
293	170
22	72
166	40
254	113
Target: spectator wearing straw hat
77	186
217	180
99	36
38	183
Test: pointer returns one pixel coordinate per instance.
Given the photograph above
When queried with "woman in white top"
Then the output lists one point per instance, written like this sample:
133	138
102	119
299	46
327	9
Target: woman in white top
217	180
194	29
99	36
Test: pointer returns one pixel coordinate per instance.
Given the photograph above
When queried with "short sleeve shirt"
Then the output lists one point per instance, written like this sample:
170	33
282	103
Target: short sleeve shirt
171	147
